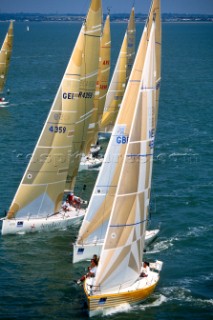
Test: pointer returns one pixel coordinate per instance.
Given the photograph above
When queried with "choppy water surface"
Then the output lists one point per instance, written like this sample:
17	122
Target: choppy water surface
36	278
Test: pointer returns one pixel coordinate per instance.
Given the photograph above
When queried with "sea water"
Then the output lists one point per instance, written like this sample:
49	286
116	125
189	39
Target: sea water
36	271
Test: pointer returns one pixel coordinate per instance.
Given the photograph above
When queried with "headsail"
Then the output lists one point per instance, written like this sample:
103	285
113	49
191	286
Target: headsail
5	55
96	220
121	257
120	75
101	85
41	190
85	94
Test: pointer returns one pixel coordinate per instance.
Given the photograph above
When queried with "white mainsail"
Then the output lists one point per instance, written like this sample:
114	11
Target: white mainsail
41	190
5	55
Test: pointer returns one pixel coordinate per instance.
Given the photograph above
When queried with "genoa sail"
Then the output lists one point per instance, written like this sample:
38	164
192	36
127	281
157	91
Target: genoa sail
123	246
87	86
120	76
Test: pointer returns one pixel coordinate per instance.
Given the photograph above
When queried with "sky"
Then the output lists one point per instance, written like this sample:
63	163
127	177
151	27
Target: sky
116	6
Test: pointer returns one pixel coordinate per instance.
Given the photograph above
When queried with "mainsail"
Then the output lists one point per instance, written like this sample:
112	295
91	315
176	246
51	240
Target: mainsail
87	86
41	190
96	220
5	55
121	257
120	76
101	86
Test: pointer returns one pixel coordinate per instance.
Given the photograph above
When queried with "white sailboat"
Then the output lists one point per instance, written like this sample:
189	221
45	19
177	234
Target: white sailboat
90	158
93	229
5	55
119	79
126	185
37	204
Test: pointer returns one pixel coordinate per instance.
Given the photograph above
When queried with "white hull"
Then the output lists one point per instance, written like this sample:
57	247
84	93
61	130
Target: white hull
3	104
81	253
58	221
89	163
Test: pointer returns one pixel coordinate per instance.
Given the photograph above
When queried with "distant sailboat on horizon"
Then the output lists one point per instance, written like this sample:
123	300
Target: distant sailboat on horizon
5	56
52	170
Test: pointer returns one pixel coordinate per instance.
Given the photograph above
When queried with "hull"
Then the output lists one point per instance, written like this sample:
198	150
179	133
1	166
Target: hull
90	164
3	104
81	253
137	293
27	225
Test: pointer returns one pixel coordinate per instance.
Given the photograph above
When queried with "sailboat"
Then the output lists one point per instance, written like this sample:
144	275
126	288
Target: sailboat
37	204
90	158
119	79
93	229
5	55
125	189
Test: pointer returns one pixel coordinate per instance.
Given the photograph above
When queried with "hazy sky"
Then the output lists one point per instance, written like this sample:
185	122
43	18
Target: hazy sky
116	6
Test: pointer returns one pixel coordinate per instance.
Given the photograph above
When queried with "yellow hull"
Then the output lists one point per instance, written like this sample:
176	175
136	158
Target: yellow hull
102	302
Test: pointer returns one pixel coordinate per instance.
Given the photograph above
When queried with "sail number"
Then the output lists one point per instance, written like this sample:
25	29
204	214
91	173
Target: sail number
57	129
71	95
121	139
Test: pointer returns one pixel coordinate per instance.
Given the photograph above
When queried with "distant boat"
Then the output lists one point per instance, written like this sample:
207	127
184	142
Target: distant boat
123	186
90	159
28	28
37	205
5	55
119	79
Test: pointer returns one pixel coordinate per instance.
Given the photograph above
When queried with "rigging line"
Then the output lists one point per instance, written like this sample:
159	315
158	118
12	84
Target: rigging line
127	225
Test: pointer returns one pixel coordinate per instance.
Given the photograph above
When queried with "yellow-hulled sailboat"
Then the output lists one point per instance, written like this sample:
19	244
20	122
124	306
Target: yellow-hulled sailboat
93	229
119	79
5	55
52	168
125	190
88	161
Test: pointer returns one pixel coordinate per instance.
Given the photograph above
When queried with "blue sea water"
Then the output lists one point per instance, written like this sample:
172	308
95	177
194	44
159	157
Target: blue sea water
36	272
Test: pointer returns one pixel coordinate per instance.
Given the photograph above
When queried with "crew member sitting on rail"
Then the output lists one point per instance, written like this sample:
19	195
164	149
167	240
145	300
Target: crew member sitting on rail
66	206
